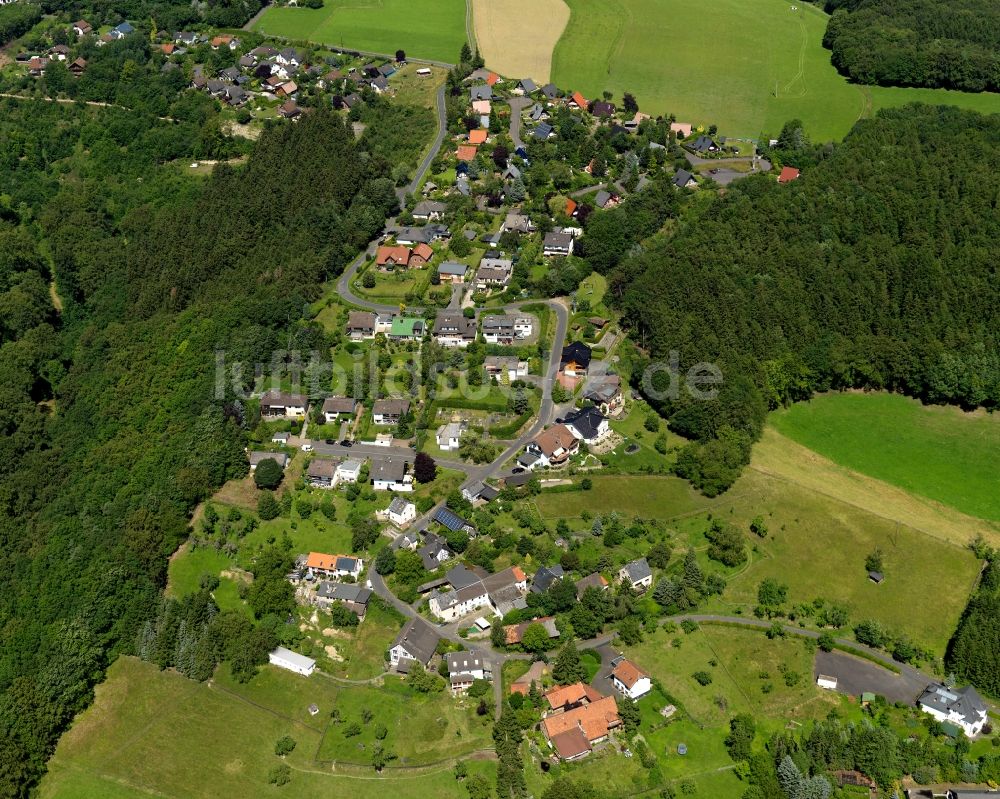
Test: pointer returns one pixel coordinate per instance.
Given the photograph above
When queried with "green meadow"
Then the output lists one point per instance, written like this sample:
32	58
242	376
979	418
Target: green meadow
746	66
935	452
431	29
155	733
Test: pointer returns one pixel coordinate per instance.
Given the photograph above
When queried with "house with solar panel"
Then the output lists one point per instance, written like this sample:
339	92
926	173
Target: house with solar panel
450	520
333	566
962	707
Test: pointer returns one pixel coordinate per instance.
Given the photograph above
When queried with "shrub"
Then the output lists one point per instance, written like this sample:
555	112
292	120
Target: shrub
280	775
284	745
702	677
268	474
267	506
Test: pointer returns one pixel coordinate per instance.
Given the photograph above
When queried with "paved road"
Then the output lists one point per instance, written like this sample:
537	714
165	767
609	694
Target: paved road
909	675
425	164
517	104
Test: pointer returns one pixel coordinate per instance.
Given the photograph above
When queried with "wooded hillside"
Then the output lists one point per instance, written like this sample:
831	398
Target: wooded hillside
876	269
111	429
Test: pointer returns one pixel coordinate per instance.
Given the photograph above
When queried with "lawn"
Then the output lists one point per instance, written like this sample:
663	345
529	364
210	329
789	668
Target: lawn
433	727
812	536
187	567
432	29
746	66
746	676
936	452
153	733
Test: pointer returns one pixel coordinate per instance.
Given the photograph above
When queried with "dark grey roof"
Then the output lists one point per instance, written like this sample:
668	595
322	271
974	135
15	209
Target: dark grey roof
390	469
481	92
346	564
560	241
704	143
489	493
966	702
638	569
545	577
398	505
681	178
577	352
426	207
449	519
461	577
542	131
528	85
463	662
550	90
586	422
344	592
453	268
602	198
419	640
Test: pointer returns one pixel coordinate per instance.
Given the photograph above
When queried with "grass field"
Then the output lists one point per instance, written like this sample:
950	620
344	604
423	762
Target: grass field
936	452
431	29
813	534
512	41
153	733
723	64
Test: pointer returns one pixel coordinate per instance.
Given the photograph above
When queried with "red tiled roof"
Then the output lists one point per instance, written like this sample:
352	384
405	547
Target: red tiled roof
788	174
492	79
628	673
478	136
466	152
570	206
595	719
392	255
579	99
571	695
423	251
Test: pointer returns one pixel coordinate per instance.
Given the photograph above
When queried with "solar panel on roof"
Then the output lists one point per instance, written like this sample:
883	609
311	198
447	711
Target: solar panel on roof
449	519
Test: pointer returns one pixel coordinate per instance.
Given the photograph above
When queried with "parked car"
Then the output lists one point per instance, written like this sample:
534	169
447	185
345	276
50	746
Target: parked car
331	441
307	447
517	470
347	443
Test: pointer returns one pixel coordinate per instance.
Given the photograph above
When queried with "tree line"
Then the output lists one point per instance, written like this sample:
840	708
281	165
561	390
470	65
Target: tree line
954	45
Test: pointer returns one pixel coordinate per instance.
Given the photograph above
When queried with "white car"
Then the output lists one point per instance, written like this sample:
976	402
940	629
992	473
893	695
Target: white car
307	447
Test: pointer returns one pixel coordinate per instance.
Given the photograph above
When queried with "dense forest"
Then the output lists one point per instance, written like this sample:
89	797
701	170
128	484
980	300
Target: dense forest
111	428
170	15
974	651
950	45
876	269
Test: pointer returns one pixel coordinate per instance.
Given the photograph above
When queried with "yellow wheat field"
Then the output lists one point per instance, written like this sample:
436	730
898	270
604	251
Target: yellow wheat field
516	37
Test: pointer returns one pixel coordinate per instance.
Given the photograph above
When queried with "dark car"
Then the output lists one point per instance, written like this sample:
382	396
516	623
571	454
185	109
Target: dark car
517	470
331	440
347	443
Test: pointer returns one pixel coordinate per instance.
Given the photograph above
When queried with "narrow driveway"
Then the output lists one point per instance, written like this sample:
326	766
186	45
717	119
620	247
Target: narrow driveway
517	105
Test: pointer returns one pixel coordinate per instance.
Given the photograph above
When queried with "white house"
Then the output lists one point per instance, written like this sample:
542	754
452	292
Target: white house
323	565
588	425
628	679
389	474
500	365
349	471
464	668
417	641
963	707
449	436
401	512
283	405
292	661
637	574
280	437
452	605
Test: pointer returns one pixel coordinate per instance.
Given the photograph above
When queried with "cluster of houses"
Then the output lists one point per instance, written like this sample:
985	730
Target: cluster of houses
579	717
323	580
451	328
